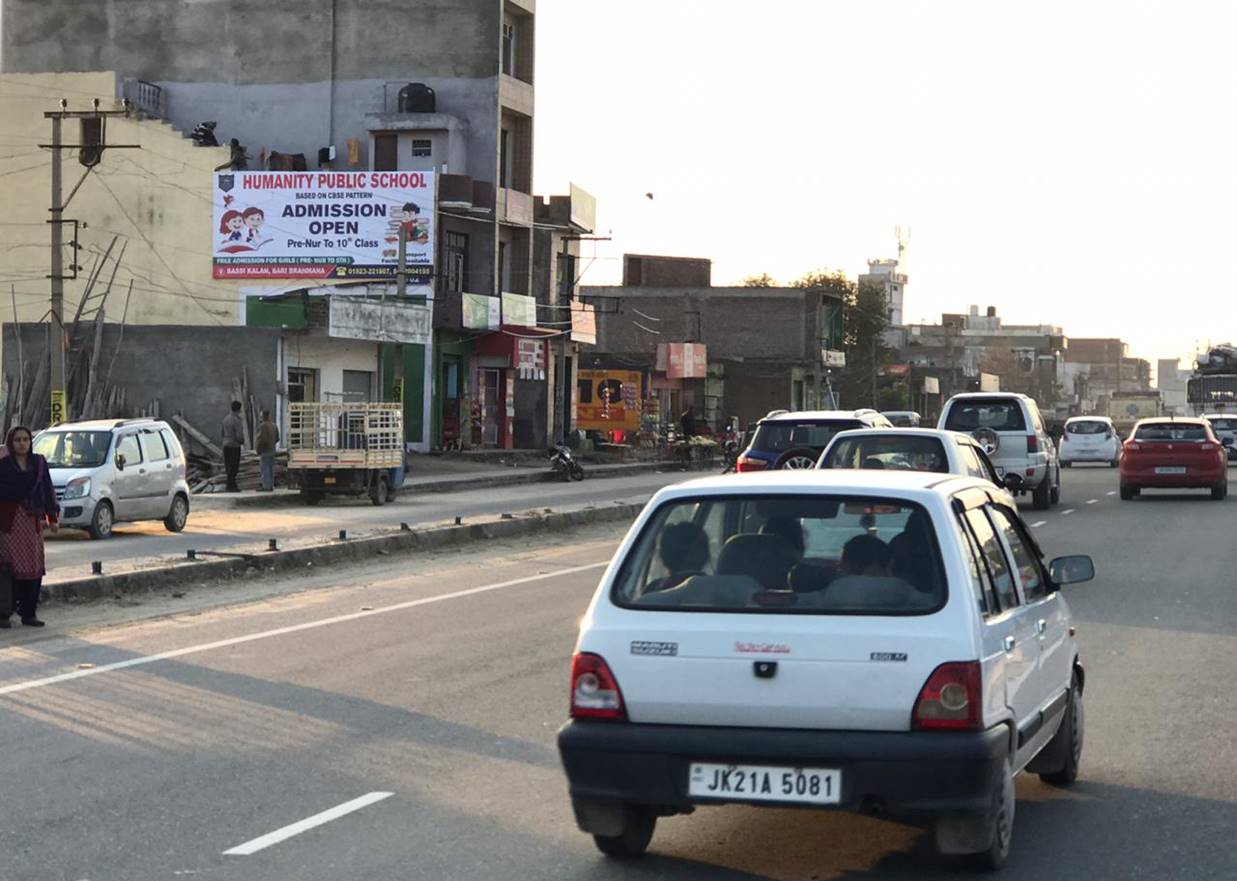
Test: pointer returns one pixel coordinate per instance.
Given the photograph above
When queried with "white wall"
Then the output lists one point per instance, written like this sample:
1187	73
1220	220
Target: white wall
331	358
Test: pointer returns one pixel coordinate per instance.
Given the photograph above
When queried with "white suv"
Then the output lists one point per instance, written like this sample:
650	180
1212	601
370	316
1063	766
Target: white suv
876	642
1011	430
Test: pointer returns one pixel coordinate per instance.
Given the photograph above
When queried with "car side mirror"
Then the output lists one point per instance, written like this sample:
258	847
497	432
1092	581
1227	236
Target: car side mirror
1013	482
1071	570
120	461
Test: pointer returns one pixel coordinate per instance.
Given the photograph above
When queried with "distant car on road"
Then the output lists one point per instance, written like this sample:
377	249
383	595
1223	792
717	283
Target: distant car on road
1089	439
875	642
903	418
1011	430
795	440
1165	453
116	470
914	449
1225	427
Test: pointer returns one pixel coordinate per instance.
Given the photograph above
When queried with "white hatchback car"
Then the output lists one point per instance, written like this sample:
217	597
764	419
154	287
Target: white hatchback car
875	642
1090	439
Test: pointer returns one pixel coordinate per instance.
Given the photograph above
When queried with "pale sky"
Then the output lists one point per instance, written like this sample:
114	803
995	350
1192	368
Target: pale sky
1068	163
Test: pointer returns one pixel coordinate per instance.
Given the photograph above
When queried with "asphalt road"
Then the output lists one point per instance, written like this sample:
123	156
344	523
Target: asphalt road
141	545
432	691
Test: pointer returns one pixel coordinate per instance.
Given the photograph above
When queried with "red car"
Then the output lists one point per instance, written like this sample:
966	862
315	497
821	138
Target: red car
1169	453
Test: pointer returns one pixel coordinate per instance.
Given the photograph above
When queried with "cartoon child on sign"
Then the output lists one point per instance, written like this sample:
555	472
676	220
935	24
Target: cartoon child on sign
409	217
254	218
232	228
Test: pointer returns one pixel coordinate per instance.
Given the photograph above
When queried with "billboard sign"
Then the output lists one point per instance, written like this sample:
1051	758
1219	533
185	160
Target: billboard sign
481	312
323	224
583	323
519	310
683	360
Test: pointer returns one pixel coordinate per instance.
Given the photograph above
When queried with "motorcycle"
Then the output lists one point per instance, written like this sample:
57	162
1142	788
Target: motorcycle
564	464
730	448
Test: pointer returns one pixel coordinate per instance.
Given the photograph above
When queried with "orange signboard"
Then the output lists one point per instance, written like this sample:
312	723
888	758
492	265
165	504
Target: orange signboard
608	400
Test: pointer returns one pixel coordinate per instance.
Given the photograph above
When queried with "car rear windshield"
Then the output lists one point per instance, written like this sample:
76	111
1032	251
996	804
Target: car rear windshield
780	436
1094	427
999	414
1167	431
785	555
73	449
890	452
1223	424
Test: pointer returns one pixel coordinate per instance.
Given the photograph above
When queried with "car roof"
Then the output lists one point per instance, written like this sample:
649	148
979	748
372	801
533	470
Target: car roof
906	432
912	485
802	415
103	424
1087	419
1177	420
987	396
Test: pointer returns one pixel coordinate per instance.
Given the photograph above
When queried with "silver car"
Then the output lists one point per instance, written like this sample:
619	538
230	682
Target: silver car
111	471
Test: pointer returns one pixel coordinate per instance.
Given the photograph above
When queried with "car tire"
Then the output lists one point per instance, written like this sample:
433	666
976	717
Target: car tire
992	831
1067	742
1220	491
178	514
102	522
1041	496
633	841
1128	493
797	458
1055	493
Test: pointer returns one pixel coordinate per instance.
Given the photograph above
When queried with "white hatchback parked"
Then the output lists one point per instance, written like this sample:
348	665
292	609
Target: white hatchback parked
866	641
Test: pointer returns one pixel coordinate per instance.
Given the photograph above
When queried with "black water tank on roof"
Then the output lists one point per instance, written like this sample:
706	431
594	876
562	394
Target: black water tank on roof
416	98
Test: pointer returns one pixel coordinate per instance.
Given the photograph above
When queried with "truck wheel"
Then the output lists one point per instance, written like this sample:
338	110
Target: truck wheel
311	497
378	493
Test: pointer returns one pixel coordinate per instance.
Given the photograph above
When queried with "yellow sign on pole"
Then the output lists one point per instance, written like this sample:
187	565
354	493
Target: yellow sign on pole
58	414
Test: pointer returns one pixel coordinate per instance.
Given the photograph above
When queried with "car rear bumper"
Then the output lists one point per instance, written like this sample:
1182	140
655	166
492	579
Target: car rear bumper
1095	454
1194	478
898	773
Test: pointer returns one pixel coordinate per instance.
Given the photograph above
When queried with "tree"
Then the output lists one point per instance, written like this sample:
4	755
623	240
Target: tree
865	319
764	280
1023	374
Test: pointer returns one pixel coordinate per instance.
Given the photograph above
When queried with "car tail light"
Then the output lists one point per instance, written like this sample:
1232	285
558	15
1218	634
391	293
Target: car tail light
951	699
594	690
1131	447
1032	444
746	464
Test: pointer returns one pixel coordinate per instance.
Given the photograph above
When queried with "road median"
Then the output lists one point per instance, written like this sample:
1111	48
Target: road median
431	537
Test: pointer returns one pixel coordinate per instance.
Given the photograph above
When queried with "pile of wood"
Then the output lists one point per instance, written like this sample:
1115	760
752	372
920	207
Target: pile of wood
206	474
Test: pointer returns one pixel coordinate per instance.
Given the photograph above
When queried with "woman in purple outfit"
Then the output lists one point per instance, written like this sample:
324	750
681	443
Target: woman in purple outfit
27	501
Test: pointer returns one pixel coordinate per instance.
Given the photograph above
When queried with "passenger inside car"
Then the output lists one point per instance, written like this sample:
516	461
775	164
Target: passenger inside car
683	549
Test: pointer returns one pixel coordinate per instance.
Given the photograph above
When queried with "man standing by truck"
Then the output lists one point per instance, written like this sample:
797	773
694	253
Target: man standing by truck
265	444
233	433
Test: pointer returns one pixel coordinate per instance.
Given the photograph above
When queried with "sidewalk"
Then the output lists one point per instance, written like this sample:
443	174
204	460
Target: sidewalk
441	474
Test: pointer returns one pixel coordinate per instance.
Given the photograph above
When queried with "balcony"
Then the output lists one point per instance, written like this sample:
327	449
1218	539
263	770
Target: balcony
514	207
515	95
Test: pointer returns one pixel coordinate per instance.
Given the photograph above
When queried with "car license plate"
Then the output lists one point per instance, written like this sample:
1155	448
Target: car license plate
820	786
328	480
1170	469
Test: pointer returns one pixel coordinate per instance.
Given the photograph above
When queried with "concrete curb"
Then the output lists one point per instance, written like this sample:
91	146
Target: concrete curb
352	550
516	478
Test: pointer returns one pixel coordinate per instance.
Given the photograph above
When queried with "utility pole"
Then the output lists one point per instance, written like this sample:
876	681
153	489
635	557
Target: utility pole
93	143
401	288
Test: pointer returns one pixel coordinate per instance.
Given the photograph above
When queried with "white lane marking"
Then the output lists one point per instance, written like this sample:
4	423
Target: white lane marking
348	807
1092	501
1038	524
1067	512
283	631
1112	492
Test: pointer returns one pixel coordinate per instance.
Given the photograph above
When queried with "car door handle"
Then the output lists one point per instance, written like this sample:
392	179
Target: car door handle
1010	642
1041	625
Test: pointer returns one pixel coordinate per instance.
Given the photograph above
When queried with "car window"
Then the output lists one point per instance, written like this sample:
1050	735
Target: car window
73	449
786	554
1088	427
1223	424
981	585
1030	572
153	448
974	467
128	447
779	436
999	414
994	558
1170	431
894	451
172	444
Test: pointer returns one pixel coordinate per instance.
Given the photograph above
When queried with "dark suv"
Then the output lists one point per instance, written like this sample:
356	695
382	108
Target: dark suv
796	440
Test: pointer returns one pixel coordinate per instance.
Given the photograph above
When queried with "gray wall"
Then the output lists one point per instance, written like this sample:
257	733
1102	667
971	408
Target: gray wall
188	369
763	323
264	71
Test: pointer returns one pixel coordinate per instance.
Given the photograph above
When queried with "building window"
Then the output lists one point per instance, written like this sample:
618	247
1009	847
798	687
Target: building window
504	157
566	276
422	147
504	274
302	385
455	259
508	48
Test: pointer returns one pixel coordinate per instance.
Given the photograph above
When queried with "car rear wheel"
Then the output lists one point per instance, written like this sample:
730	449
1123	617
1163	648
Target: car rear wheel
982	841
1056	490
797	458
1128	492
1220	491
633	841
178	516
1041	497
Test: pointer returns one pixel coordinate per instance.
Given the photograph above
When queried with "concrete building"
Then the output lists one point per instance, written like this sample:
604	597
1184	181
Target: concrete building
759	348
888	275
1097	368
1171	381
344	84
